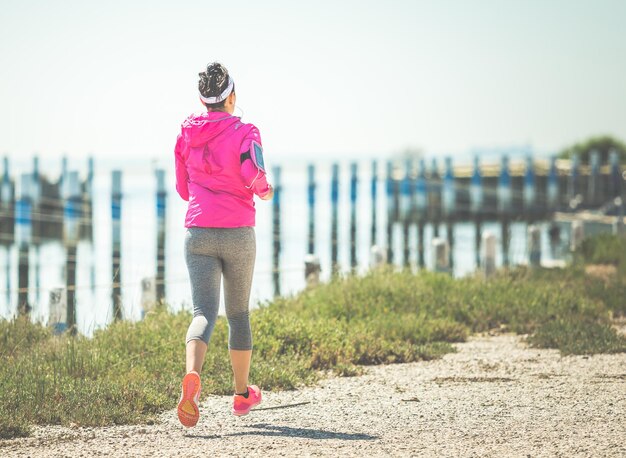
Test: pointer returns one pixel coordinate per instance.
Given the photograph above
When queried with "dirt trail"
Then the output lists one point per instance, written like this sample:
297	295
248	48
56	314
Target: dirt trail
495	397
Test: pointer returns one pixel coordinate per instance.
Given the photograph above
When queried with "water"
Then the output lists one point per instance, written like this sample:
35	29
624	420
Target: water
93	293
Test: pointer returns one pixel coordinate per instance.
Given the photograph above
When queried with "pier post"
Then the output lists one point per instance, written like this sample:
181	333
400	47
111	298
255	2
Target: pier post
312	269
421	209
7	223
440	255
353	198
37	221
87	202
311	202
378	257
71	234
572	187
577	234
57	317
161	202
594	195
504	207
334	231
374	192
616	175
476	206
406	205
434	203
534	246
530	190
449	207
489	254
24	236
116	267
391	211
276	231
552	187
619	203
148	295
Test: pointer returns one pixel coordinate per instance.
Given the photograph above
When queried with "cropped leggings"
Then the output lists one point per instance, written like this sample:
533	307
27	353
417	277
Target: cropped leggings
212	253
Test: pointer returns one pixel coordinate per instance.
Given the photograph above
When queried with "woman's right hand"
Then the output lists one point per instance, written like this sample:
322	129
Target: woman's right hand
269	194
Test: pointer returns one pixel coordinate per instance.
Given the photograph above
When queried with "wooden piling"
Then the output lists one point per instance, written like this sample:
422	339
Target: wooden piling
530	193
615	180
421	210
406	209
594	191
534	246
378	256
353	199
504	207
311	201
489	254
88	221
552	187
276	231
312	269
572	185
449	207
87	202
7	222
390	185
36	203
116	215
440	255
161	195
38	226
24	236
148	295
476	207
577	234
334	231
434	194
57	306
374	192
619	203
71	235
7	207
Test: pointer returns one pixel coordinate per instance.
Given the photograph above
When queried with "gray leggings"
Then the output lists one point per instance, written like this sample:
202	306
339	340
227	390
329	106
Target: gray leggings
211	252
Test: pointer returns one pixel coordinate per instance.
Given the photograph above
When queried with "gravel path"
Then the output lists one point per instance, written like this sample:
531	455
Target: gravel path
495	397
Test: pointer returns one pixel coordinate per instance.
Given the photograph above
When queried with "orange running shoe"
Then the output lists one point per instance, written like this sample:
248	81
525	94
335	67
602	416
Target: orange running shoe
188	412
243	405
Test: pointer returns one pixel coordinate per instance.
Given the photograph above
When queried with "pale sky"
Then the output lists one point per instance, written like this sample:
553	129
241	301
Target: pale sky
328	78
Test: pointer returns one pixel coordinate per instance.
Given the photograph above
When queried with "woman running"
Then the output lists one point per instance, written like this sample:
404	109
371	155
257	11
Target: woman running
219	169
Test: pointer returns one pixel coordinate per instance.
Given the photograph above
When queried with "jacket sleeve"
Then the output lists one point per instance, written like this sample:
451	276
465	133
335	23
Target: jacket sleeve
182	178
253	177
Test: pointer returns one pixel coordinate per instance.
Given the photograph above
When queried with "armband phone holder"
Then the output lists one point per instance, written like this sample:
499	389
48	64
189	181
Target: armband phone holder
255	154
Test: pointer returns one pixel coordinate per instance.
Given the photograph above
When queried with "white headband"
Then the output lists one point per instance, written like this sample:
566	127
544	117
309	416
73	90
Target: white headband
222	96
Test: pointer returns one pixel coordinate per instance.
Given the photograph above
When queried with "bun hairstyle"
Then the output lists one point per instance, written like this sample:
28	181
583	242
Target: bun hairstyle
213	82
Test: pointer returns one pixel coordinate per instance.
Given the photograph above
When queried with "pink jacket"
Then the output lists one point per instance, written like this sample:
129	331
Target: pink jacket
209	172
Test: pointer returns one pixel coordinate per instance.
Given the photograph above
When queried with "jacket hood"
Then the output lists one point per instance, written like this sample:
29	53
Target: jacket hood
198	129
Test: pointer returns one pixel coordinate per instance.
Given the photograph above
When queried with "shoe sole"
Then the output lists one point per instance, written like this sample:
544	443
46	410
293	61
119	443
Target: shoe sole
241	413
188	412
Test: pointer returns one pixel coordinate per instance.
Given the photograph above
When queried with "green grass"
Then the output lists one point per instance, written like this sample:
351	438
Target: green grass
576	337
604	249
129	372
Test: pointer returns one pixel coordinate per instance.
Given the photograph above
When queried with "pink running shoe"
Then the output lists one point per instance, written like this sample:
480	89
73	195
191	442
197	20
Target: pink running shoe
242	405
188	412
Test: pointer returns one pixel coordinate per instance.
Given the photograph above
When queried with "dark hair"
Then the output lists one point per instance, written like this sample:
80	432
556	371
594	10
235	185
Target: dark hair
213	82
